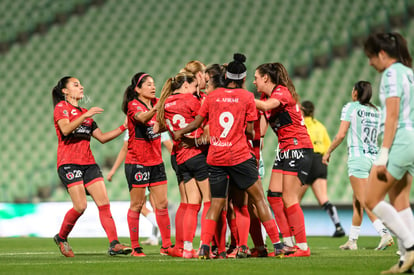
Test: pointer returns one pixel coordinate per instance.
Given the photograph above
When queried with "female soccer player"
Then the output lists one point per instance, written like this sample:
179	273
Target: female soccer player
145	168
294	153
231	112
145	211
393	170
319	172
76	165
362	118
177	107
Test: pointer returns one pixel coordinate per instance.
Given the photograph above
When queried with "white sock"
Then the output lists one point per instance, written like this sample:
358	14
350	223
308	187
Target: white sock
288	241
354	232
408	218
393	221
379	226
188	246
302	246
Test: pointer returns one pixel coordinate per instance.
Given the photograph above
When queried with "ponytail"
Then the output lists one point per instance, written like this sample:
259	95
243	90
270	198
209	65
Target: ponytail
172	84
130	93
57	94
364	93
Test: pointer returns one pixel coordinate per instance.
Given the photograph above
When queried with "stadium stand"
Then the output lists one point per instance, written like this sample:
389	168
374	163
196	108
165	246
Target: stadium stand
104	43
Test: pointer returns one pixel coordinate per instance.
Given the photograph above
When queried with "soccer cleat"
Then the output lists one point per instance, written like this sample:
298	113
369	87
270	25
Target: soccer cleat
408	262
204	252
259	253
385	242
243	252
349	245
232	252
165	251
116	248
177	252
64	247
137	252
150	241
189	254
339	232
222	255
282	250
300	253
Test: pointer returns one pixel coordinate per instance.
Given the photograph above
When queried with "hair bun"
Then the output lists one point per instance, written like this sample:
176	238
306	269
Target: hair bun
239	57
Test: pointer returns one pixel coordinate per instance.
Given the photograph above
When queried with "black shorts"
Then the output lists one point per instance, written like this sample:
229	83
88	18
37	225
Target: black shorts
176	169
297	162
74	174
195	167
242	175
145	176
318	169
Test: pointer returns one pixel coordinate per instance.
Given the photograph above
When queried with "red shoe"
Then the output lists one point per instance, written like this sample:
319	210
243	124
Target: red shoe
64	247
137	252
177	252
222	255
116	248
187	254
243	252
300	253
258	252
282	252
167	251
232	252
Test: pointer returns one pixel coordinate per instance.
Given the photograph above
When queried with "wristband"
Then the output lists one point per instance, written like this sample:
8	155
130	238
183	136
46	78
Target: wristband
382	157
122	128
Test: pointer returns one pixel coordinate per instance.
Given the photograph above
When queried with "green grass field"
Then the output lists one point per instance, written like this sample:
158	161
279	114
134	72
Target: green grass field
41	256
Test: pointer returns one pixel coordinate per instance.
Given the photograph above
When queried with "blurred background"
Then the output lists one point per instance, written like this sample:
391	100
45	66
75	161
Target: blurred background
104	43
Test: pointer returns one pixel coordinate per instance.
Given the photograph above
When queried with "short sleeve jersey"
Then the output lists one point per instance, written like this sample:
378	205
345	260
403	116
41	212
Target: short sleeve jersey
75	147
287	122
179	111
363	130
318	135
228	111
398	81
144	145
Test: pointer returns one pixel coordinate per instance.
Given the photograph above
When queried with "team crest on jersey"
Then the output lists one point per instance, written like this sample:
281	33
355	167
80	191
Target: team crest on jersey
65	112
70	176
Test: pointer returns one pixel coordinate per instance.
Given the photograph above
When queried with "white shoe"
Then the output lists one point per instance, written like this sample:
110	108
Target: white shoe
150	241
349	245
385	242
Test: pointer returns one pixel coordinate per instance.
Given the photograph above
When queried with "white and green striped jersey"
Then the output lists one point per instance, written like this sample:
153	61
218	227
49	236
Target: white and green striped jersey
398	81
363	130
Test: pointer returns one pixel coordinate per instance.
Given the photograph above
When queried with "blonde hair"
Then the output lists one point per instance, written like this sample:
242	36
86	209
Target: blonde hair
194	67
172	84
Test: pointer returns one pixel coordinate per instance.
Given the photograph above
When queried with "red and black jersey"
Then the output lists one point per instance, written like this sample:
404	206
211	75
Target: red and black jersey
228	111
287	121
75	147
180	110
144	146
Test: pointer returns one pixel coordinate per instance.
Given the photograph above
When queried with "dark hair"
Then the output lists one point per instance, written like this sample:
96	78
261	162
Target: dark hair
130	93
216	73
393	44
308	108
172	84
279	76
236	71
57	94
364	93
